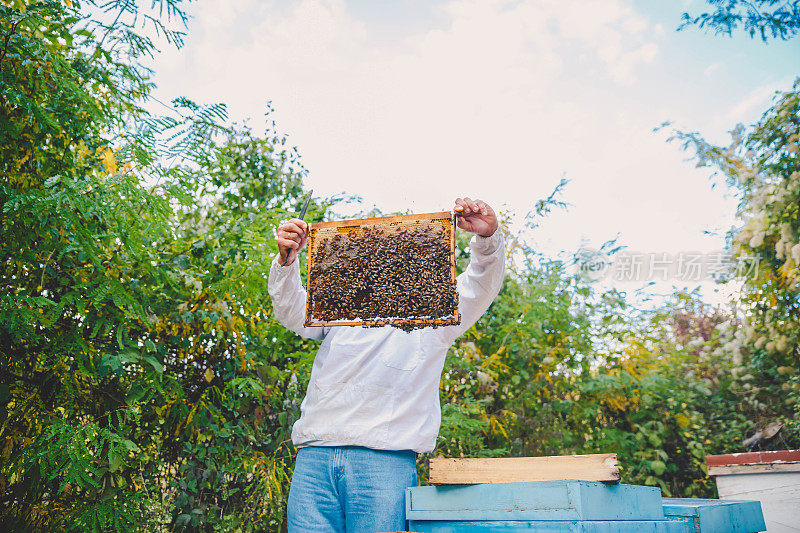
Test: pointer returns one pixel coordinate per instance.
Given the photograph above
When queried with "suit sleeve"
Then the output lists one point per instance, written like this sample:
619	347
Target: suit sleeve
480	283
289	299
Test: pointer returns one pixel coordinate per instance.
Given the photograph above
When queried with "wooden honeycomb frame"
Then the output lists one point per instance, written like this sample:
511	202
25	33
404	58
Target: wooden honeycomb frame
321	230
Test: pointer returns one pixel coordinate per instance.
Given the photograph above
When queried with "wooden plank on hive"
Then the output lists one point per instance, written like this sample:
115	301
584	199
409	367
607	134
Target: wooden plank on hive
595	467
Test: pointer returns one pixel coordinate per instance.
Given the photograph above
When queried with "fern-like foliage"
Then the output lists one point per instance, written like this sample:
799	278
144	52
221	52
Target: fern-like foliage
134	250
766	19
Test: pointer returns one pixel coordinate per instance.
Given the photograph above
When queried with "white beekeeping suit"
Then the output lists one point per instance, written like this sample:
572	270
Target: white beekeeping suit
379	387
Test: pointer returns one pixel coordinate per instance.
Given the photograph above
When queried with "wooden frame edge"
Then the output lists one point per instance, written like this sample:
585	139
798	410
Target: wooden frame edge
308	277
381	220
428	321
456	317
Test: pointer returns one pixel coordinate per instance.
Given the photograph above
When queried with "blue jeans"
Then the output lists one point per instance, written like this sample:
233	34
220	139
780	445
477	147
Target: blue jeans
349	488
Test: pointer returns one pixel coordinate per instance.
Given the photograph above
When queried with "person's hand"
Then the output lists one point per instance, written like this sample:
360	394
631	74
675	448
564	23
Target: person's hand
475	216
292	236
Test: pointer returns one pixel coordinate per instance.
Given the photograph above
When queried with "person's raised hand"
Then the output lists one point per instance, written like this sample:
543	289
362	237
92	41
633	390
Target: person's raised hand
475	216
292	236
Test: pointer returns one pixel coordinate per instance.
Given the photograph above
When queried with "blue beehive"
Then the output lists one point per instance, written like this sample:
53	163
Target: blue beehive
570	506
553	506
715	516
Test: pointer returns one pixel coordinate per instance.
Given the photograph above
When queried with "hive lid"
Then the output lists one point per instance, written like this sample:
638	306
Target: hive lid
754	458
536	500
753	462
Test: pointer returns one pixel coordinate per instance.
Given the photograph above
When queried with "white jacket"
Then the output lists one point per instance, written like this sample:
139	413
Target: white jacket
379	387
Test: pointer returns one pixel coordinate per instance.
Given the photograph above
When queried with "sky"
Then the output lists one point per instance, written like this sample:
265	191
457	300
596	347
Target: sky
410	104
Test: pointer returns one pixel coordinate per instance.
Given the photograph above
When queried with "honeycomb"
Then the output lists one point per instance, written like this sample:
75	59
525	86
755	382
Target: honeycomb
397	271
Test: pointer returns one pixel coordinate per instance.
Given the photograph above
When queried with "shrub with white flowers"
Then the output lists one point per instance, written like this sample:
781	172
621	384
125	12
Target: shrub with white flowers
762	167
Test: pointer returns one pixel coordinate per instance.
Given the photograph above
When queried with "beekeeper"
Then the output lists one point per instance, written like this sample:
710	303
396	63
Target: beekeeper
372	402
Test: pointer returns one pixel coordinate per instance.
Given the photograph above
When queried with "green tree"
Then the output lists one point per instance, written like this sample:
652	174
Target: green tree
761	166
765	18
145	384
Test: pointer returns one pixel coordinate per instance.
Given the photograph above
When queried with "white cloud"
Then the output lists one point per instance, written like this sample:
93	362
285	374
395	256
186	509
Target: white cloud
456	104
755	100
709	70
497	103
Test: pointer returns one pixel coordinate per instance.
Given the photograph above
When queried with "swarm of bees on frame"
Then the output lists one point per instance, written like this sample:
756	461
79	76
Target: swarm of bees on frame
384	273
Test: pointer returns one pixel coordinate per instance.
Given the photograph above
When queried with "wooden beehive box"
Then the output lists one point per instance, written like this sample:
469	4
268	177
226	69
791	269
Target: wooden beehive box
397	271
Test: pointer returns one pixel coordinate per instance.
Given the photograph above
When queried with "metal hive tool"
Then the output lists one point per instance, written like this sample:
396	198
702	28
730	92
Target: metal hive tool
397	271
